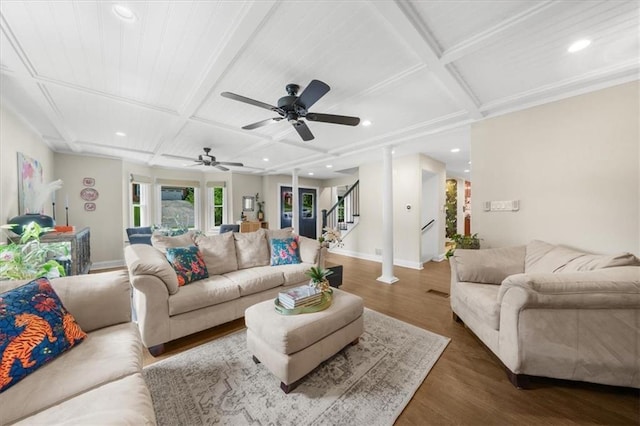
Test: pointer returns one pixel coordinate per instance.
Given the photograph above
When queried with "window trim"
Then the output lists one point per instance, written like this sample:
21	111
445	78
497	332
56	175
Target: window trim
144	203
210	205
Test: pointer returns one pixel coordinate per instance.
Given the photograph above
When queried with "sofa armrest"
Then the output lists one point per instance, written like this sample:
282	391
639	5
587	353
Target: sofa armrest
96	300
602	288
147	260
151	302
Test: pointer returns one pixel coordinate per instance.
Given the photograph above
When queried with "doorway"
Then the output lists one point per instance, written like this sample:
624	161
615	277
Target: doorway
307	210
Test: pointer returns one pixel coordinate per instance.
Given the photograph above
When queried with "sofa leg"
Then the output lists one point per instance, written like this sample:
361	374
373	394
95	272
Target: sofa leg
256	360
288	388
456	318
520	381
156	350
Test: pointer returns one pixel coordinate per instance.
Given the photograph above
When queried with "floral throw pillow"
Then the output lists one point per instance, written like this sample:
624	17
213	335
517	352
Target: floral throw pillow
35	328
188	264
285	251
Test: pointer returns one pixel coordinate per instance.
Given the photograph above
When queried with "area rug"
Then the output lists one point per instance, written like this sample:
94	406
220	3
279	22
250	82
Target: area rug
366	384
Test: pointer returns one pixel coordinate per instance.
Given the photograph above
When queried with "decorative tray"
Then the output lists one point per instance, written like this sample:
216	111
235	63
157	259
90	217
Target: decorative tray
325	302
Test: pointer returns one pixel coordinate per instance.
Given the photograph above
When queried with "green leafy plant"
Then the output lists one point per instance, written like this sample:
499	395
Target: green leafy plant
27	258
463	242
318	277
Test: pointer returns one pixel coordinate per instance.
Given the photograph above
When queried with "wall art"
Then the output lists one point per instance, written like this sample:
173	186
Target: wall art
30	181
89	207
89	194
88	181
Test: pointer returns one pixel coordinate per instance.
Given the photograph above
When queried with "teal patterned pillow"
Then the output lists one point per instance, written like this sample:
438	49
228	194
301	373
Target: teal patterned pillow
285	251
188	264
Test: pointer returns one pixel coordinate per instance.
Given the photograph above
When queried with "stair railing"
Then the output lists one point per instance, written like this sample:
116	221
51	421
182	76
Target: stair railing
428	224
348	205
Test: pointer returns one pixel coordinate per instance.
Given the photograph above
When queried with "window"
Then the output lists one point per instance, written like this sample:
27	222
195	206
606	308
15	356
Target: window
217	203
138	202
178	206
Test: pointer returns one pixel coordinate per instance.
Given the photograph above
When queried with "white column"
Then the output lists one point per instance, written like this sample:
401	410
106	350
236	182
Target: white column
294	212
387	218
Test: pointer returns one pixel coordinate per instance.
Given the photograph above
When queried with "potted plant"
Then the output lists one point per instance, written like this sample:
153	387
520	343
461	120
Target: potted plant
28	258
260	204
463	242
318	277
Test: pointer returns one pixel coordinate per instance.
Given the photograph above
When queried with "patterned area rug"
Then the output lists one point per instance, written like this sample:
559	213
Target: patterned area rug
366	384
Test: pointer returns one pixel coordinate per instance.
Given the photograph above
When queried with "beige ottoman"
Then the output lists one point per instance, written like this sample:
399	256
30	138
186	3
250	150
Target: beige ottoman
291	346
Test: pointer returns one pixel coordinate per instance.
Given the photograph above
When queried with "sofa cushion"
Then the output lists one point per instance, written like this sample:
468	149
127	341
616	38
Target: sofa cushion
549	260
279	233
294	274
126	401
188	264
309	250
162	242
482	301
489	266
535	250
35	328
252	249
285	251
147	260
219	252
105	355
590	262
201	294
255	280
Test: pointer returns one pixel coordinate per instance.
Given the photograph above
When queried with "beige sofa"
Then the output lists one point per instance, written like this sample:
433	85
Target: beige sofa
551	311
99	381
239	276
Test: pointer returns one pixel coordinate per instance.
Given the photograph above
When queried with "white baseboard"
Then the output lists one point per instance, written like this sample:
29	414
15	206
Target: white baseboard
376	258
96	266
439	258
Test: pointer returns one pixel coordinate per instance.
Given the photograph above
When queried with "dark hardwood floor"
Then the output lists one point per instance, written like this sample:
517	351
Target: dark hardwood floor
468	384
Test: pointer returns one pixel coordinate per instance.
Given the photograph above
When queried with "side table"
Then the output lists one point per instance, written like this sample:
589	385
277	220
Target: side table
335	279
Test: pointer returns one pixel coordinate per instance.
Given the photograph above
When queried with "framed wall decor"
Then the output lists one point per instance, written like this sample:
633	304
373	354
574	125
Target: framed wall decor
88	181
89	194
89	207
30	181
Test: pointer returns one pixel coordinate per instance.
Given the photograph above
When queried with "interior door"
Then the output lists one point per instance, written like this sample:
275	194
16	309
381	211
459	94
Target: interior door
307	208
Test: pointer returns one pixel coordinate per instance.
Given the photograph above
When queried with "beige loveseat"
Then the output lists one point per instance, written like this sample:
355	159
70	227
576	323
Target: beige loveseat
98	381
239	276
551	311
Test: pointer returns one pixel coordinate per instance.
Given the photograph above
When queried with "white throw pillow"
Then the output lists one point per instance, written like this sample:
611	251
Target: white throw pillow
219	253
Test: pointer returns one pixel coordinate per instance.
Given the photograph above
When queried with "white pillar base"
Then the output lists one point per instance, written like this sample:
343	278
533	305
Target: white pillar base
387	280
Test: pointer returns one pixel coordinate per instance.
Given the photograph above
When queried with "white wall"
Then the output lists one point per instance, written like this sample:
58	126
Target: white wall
17	136
106	221
574	166
430	237
242	185
366	239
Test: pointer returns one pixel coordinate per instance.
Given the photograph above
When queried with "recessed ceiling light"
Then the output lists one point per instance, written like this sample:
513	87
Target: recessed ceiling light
310	173
124	13
467	171
578	45
121	134
329	166
455	150
366	123
265	159
469	162
393	151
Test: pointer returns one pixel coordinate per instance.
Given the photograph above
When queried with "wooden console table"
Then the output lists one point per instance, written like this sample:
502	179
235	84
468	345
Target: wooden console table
253	226
79	248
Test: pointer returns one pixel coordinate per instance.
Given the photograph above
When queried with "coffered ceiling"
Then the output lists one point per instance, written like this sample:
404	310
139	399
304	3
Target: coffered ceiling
420	71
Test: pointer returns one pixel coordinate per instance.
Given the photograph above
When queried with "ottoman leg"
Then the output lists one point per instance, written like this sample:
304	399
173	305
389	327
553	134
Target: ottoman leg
256	360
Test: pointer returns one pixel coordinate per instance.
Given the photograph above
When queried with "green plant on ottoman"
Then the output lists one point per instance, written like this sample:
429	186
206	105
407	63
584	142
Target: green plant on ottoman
318	277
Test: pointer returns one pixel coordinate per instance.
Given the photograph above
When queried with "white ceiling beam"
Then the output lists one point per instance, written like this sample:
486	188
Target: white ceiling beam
252	18
484	37
404	20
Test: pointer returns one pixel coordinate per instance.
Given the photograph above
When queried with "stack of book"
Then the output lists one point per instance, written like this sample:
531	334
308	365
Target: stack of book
300	296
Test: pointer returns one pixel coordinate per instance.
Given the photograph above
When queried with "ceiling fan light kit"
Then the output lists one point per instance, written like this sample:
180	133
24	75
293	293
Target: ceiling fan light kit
294	108
210	160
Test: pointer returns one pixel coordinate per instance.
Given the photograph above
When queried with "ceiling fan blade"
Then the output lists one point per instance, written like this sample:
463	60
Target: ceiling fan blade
218	166
331	118
303	130
310	95
227	163
251	102
261	123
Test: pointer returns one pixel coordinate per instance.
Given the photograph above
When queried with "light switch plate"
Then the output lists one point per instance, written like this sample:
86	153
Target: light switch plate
501	206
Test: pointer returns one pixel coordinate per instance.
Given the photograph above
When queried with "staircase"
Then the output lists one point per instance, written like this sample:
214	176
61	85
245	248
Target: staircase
344	215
